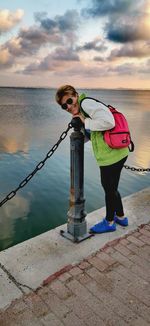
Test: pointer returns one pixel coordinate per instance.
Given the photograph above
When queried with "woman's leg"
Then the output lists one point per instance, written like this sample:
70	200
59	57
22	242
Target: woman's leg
110	176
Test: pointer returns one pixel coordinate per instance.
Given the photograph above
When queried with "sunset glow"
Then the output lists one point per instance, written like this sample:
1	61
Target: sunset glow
94	44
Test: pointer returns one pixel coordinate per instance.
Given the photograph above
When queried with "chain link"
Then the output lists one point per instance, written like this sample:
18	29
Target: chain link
136	169
38	167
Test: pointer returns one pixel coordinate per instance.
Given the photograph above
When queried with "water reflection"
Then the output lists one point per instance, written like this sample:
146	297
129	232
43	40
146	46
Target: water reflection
17	208
12	145
139	125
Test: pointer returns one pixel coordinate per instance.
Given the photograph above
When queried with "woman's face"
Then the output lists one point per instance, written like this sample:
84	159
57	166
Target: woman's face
72	108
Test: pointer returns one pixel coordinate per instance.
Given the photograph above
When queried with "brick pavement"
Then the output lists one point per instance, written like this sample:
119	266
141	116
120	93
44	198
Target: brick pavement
111	287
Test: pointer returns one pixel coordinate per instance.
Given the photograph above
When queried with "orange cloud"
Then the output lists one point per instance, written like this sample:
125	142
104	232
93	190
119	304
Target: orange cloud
4	56
9	19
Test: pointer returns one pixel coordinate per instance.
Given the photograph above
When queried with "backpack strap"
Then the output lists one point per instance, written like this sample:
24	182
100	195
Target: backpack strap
89	98
131	146
86	115
92	98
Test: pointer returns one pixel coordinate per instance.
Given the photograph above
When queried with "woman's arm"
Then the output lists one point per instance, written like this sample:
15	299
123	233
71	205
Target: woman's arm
101	117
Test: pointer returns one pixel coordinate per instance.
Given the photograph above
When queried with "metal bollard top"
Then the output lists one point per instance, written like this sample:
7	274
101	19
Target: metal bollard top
77	124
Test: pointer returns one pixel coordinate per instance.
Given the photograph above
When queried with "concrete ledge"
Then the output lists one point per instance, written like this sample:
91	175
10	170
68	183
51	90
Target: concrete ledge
25	266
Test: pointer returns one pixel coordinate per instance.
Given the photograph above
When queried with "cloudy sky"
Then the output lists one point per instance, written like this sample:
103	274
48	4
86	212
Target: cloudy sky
88	43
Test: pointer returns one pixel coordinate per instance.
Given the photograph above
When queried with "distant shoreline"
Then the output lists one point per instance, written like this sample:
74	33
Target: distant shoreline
103	89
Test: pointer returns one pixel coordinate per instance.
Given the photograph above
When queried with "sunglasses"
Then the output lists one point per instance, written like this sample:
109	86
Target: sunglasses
69	101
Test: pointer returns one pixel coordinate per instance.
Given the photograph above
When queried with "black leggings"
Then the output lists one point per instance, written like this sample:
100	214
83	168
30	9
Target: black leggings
110	176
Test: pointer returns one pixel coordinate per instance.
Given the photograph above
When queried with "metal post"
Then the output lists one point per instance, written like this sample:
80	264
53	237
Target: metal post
76	226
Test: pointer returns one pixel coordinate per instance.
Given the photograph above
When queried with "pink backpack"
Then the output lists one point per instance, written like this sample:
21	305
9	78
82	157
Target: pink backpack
119	136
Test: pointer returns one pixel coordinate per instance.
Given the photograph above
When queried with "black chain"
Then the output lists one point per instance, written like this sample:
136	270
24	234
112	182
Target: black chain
38	167
136	169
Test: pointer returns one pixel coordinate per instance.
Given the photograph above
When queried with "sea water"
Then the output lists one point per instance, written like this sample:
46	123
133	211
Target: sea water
30	124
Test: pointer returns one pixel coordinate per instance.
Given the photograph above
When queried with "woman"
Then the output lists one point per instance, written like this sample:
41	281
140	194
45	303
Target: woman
97	118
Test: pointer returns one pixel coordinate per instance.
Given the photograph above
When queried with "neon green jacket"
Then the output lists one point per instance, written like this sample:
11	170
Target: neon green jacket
99	120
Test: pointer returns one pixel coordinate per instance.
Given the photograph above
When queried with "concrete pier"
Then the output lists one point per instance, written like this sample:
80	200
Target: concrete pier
27	266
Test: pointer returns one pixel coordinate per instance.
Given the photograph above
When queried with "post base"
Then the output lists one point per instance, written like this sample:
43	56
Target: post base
77	239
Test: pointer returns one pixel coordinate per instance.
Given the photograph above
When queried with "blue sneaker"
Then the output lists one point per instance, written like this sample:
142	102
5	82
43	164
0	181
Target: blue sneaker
121	221
103	227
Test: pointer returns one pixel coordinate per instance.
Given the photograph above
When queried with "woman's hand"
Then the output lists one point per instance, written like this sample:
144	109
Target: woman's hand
80	116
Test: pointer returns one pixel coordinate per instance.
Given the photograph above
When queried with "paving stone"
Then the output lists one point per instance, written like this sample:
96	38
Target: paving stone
105	313
145	232
133	248
101	279
147	227
141	272
24	318
122	249
136	305
107	259
36	304
55	304
146	250
139	251
75	271
93	272
94	320
98	263
60	289
64	277
136	241
51	320
78	289
113	304
129	275
145	239
137	234
108	250
138	287
119	283
18	306
72	320
83	278
121	259
84	265
79	307
124	242
120	290
139	322
142	292
118	287
139	260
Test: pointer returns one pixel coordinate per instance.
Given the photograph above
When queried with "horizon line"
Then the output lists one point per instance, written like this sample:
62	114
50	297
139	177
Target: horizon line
90	88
